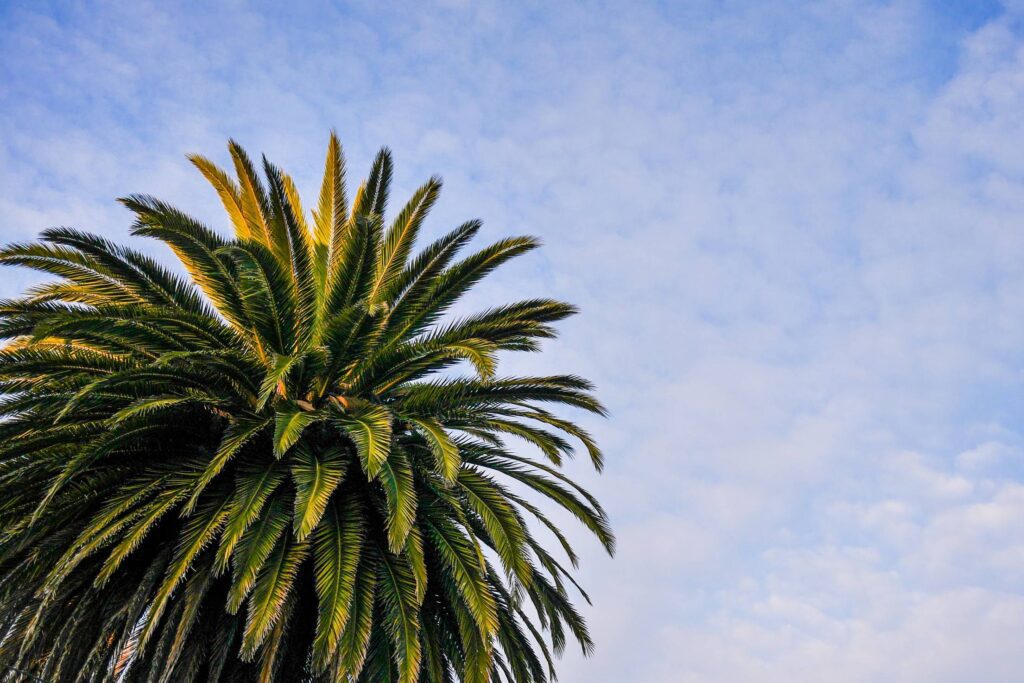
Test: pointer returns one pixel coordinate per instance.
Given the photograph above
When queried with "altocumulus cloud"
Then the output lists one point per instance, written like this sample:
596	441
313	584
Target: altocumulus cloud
794	230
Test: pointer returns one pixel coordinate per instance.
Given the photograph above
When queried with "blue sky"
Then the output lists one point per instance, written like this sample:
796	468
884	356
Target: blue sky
794	230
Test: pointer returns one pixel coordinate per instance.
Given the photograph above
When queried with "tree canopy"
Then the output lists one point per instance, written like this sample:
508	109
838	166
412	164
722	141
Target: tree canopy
293	463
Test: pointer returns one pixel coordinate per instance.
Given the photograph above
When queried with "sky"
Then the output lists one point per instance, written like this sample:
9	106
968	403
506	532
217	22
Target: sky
794	231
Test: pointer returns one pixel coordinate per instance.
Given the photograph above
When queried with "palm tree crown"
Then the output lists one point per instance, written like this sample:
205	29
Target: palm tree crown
268	470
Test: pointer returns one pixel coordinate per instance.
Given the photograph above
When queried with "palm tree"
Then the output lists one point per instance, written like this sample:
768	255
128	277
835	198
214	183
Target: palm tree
269	470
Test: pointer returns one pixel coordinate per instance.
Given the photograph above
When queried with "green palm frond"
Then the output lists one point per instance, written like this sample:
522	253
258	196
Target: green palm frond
272	468
338	542
316	476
